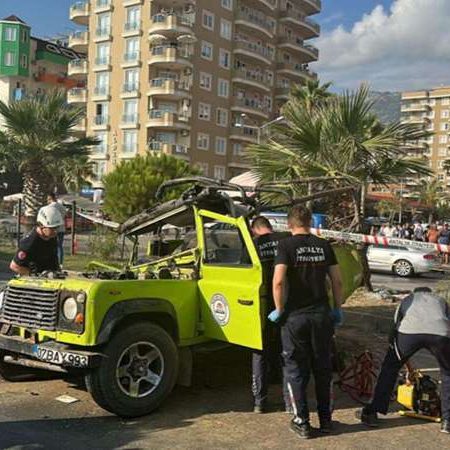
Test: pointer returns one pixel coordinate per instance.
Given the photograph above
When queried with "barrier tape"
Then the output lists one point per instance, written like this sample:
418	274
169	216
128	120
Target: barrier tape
380	240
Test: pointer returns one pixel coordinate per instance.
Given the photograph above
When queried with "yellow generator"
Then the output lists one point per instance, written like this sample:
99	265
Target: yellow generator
419	394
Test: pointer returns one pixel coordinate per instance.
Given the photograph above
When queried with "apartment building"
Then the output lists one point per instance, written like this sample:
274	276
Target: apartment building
192	78
29	65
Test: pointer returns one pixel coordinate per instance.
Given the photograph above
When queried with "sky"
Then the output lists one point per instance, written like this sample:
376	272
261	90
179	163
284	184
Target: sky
393	45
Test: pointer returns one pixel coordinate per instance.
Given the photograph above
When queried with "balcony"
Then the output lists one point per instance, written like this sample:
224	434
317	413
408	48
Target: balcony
103	34
168	88
251	106
158	118
101	122
255	22
132	2
131	59
171	57
282	92
296	70
77	96
79	13
80	127
306	53
415	107
253	50
271	4
243	133
132	29
103	6
252	77
311	6
101	93
129	121
415	119
102	63
77	69
170	24
130	90
79	41
306	27
168	148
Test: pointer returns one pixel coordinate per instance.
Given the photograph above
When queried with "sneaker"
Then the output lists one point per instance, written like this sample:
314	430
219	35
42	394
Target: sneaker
326	426
445	426
367	418
260	409
301	428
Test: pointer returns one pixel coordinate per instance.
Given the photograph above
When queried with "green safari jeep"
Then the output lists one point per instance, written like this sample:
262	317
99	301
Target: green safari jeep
131	332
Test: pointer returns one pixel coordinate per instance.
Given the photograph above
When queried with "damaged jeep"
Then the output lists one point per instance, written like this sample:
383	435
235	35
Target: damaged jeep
193	277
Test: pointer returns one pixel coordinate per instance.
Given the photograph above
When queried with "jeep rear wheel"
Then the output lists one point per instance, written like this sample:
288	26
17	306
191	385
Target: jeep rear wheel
138	373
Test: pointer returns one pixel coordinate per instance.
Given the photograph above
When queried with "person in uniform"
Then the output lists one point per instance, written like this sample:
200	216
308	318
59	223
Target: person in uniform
421	321
302	265
37	251
267	361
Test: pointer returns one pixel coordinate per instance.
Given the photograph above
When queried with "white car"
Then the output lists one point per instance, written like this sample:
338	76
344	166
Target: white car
402	261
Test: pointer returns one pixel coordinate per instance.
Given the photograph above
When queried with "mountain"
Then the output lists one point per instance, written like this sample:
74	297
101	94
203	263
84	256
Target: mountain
387	105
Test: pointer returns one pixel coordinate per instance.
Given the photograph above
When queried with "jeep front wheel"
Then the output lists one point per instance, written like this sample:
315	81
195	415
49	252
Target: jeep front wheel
138	373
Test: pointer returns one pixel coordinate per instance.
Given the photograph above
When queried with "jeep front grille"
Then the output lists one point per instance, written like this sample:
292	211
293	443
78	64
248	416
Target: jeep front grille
30	307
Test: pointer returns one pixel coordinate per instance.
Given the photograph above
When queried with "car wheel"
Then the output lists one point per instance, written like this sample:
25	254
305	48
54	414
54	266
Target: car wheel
403	268
138	372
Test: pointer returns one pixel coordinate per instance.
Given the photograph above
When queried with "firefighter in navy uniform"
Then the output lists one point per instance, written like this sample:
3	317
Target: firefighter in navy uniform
302	264
37	251
267	361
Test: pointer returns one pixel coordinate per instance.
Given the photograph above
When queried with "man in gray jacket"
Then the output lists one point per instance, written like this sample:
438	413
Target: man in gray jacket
422	320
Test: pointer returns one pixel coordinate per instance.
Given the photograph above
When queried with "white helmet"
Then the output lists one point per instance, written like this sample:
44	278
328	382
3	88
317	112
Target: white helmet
50	217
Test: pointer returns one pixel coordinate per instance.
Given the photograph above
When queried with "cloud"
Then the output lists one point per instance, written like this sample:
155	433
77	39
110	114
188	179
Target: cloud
406	47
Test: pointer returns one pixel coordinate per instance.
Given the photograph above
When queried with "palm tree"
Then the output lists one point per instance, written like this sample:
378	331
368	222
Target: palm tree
431	193
340	137
38	139
312	94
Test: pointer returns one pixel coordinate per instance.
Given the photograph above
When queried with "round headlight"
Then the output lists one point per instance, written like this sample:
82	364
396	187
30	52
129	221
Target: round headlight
2	294
69	308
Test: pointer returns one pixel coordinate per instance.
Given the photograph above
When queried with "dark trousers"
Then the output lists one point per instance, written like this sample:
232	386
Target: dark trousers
398	354
60	246
307	340
267	362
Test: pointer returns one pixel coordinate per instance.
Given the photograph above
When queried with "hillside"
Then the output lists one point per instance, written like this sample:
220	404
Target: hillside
387	105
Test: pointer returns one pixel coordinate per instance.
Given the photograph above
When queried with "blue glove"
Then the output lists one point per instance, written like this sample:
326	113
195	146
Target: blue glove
337	316
274	316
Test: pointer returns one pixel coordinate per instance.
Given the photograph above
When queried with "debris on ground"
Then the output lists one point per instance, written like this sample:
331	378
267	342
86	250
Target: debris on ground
379	296
67	399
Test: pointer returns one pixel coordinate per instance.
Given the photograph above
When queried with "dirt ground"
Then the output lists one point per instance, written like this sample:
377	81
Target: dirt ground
215	413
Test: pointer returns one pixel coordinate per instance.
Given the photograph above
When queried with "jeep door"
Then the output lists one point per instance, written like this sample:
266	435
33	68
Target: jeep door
230	280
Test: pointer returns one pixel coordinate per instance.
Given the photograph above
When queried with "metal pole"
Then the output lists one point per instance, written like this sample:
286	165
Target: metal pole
19	215
400	215
74	216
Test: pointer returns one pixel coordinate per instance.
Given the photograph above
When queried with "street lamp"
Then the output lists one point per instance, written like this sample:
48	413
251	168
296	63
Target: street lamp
258	128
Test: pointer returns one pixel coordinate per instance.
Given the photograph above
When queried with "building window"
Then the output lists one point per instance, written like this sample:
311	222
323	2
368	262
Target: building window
208	20
99	170
131	80
444	114
204	167
442	151
103	24
207	50
219	172
130	108
102	51
133	18
10	34
224	58
129	141
227	4
223	88
221	146
24	61
102	147
442	139
205	81
202	141
204	111
238	149
9	59
444	126
24	36
445	101
131	49
222	117
432	102
225	29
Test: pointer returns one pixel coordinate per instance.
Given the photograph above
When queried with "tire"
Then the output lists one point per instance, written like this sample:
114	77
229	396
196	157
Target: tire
403	268
119	384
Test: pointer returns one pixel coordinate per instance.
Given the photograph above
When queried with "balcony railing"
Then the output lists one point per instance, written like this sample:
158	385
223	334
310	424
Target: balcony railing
130	118
168	82
302	69
300	16
257	19
130	87
253	75
255	48
101	3
79	6
103	32
161	146
181	19
161	114
101	90
298	41
102	60
101	120
129	148
161	50
131	56
132	26
252	103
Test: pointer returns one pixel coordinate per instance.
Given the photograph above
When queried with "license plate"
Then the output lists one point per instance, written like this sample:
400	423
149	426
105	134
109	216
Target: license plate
61	358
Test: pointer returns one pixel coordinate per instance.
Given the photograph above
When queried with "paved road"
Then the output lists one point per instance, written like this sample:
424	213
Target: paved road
394	282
